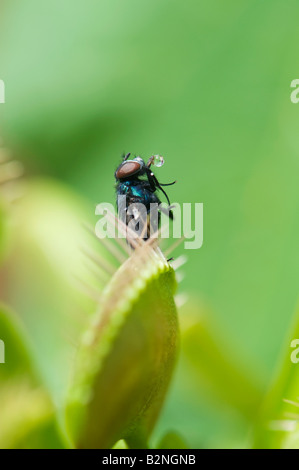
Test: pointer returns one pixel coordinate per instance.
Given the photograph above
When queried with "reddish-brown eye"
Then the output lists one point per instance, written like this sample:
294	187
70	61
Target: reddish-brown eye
127	169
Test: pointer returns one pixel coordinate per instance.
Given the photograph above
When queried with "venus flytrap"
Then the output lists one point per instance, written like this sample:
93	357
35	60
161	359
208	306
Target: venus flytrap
125	360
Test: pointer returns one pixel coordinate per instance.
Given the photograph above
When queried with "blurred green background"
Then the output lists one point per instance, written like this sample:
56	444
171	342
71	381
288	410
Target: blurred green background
207	85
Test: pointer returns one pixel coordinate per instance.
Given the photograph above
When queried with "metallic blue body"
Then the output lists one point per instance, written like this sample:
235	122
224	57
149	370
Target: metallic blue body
137	191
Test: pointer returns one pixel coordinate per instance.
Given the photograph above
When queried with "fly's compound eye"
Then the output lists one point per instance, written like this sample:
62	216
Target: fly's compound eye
128	168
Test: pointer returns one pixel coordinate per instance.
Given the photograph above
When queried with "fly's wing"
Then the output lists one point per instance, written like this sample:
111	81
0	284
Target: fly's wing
121	203
138	221
142	221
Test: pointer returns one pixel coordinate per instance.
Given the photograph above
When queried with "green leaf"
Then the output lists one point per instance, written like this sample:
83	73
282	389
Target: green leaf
279	415
172	440
214	363
126	358
121	445
26	413
2	229
27	417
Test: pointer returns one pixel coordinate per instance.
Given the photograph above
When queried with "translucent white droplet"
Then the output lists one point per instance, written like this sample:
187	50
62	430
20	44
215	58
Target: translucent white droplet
157	160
